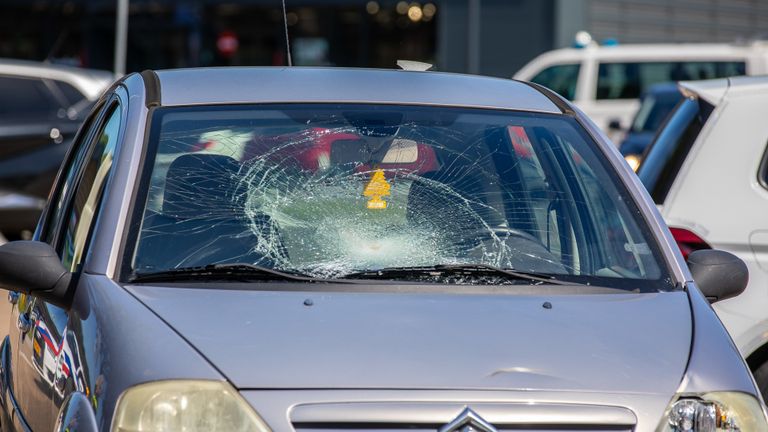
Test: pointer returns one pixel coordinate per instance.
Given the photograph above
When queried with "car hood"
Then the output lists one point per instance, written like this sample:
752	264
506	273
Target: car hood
299	339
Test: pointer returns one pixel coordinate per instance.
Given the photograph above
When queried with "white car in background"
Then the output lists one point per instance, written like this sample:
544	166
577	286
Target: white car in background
707	170
606	81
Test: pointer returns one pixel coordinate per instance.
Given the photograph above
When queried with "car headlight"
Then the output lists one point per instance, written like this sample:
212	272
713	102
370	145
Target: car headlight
715	412
188	406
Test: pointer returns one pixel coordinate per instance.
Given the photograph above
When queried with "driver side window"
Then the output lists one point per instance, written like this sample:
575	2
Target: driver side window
68	177
77	195
87	196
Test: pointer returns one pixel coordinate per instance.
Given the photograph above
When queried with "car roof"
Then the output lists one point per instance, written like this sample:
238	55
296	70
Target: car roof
90	82
714	90
644	53
662	51
231	85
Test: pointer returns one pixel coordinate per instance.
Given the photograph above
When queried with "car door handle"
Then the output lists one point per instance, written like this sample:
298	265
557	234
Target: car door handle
13	297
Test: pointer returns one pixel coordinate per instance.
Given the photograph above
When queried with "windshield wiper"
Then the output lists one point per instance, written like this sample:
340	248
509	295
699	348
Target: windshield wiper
454	270
240	272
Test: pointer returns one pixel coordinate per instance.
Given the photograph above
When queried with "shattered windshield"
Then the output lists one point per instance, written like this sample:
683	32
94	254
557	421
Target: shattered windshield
330	191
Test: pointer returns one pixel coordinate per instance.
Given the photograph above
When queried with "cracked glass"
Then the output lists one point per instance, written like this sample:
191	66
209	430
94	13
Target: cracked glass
329	190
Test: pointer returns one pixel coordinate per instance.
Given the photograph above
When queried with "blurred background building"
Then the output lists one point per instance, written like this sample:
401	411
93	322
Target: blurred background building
371	33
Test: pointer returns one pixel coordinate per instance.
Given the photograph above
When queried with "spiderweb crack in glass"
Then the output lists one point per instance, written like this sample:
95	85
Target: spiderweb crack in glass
324	215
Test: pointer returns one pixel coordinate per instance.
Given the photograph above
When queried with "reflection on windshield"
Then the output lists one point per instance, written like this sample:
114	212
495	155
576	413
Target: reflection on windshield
341	189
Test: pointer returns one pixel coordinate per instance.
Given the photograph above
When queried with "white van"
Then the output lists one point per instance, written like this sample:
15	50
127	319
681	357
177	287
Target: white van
606	81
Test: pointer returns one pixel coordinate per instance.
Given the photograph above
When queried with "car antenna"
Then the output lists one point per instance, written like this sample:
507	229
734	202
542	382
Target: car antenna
287	42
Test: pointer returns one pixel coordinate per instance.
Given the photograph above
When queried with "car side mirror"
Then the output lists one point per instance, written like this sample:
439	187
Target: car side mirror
718	274
615	125
33	267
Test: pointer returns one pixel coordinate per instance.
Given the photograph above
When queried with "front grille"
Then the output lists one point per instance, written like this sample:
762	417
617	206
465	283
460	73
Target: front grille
431	417
424	428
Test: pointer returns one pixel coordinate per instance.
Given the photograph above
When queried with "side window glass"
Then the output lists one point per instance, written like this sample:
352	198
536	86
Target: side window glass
629	80
67	178
618	81
25	98
574	207
86	197
627	255
561	79
670	148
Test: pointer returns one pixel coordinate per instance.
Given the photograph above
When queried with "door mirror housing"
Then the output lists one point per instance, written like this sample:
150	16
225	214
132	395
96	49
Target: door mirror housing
718	274
34	267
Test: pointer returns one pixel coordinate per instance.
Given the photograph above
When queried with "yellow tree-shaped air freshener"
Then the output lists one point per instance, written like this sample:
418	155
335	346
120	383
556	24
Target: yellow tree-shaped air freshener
376	188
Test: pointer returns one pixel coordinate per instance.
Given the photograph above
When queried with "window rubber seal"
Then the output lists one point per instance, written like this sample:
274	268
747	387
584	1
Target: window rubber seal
152	85
762	171
552	96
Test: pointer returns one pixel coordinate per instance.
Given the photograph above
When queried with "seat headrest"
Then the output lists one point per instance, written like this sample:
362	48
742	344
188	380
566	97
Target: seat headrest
201	185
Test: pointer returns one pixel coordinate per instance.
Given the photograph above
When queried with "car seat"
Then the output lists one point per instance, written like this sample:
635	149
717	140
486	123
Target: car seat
202	220
453	203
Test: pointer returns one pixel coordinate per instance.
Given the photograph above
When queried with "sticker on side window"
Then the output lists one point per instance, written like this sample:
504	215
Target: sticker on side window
638	248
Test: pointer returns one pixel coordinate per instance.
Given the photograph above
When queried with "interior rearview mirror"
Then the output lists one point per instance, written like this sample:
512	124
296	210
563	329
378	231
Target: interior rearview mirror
33	267
718	274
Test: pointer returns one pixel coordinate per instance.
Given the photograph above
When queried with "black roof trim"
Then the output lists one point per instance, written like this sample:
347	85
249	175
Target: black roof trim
762	173
552	96
152	84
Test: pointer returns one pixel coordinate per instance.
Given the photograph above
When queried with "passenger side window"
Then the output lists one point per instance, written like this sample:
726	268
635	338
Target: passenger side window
557	202
628	255
629	80
87	195
561	79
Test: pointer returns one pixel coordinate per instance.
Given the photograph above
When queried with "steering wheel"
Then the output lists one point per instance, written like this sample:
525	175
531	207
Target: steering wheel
533	248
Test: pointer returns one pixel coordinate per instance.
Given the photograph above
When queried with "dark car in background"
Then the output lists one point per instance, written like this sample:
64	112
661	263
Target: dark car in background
41	108
656	104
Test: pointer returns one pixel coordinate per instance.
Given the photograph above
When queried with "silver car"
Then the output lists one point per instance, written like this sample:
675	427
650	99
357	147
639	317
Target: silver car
296	249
